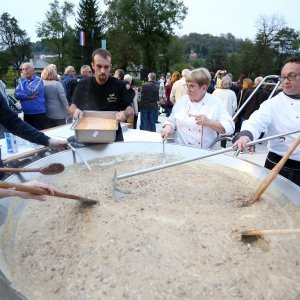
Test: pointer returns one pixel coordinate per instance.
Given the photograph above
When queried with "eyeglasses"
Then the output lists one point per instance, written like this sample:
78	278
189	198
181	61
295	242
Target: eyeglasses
289	78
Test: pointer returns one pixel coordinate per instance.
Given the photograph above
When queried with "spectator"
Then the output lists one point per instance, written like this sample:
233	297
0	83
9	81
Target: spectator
30	92
69	82
169	105
256	100
133	94
149	103
119	73
226	95
85	71
57	106
233	86
179	88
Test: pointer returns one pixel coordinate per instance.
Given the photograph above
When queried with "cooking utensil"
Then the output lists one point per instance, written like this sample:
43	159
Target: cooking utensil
41	191
259	233
45	170
118	195
272	174
80	156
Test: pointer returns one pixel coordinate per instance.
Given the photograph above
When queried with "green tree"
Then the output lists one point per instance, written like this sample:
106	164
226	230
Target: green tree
267	28
14	44
90	20
286	43
217	59
123	49
55	31
148	22
173	54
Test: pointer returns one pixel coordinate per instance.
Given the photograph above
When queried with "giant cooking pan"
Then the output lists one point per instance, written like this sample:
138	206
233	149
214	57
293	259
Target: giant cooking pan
284	188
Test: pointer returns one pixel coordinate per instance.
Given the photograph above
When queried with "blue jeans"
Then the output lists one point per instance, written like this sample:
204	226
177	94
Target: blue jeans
148	119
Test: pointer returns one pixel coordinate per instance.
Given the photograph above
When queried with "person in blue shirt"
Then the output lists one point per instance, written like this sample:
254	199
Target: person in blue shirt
30	92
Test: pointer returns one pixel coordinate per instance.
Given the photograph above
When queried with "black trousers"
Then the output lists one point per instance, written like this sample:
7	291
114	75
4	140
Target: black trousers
290	170
38	121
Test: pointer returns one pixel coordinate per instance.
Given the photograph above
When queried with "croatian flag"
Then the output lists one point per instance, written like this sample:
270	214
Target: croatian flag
82	38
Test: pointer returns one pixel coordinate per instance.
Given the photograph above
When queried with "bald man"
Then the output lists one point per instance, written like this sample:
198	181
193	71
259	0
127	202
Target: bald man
30	92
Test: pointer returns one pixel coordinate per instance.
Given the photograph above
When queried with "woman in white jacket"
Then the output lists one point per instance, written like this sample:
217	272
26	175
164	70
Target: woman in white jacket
198	117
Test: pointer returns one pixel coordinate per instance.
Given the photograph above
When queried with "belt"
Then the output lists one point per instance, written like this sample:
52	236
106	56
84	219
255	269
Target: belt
290	163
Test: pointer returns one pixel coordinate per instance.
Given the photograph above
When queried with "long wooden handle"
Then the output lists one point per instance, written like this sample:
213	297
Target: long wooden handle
273	173
19	170
256	232
41	191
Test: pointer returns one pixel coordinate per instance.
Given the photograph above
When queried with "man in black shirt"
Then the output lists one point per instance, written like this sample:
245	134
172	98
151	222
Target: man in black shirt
102	92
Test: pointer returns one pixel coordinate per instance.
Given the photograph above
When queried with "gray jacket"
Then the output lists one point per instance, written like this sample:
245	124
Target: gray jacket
56	100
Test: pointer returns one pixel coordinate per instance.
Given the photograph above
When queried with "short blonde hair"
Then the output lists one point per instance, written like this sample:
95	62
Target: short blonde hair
201	76
49	73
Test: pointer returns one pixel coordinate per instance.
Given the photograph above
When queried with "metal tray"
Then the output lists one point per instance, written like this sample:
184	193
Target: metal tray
94	135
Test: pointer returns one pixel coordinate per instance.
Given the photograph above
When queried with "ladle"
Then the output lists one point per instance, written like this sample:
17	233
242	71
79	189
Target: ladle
41	191
118	195
45	170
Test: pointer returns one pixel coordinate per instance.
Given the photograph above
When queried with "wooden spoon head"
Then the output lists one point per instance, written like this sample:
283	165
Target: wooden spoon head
52	169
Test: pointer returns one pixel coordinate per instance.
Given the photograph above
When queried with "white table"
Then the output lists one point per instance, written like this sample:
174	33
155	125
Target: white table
26	149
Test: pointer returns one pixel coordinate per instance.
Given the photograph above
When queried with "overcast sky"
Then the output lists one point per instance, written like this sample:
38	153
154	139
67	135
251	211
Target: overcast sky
204	16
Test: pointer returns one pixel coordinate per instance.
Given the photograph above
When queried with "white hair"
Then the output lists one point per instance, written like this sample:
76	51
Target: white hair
128	78
258	80
185	72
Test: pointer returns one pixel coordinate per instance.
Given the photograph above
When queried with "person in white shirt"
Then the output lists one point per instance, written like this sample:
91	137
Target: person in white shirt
227	96
179	87
277	115
198	117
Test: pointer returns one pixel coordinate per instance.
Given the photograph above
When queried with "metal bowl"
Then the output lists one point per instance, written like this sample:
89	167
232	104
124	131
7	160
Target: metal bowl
285	190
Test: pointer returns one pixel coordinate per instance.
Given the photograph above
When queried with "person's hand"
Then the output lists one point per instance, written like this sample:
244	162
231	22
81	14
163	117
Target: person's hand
202	120
166	132
24	195
58	145
77	113
120	116
240	144
39	184
33	96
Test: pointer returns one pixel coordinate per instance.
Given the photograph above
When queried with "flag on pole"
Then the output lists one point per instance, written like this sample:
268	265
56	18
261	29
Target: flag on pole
103	43
82	38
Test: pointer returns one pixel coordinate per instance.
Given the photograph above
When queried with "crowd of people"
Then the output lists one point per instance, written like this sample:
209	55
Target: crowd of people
199	105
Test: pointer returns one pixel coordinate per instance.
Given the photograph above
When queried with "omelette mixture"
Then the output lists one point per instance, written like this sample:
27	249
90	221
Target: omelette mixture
176	235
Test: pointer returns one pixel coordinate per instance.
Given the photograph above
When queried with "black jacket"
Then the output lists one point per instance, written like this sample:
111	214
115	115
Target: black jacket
149	96
254	103
11	121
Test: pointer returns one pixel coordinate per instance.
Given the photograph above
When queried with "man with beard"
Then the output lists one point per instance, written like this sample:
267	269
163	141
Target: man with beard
102	92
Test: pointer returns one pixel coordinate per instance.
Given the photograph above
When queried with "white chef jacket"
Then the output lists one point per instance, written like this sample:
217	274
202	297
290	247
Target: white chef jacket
183	123
277	115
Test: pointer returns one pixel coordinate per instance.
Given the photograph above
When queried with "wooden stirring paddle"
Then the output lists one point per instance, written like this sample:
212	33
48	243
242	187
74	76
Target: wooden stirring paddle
273	173
259	233
41	191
